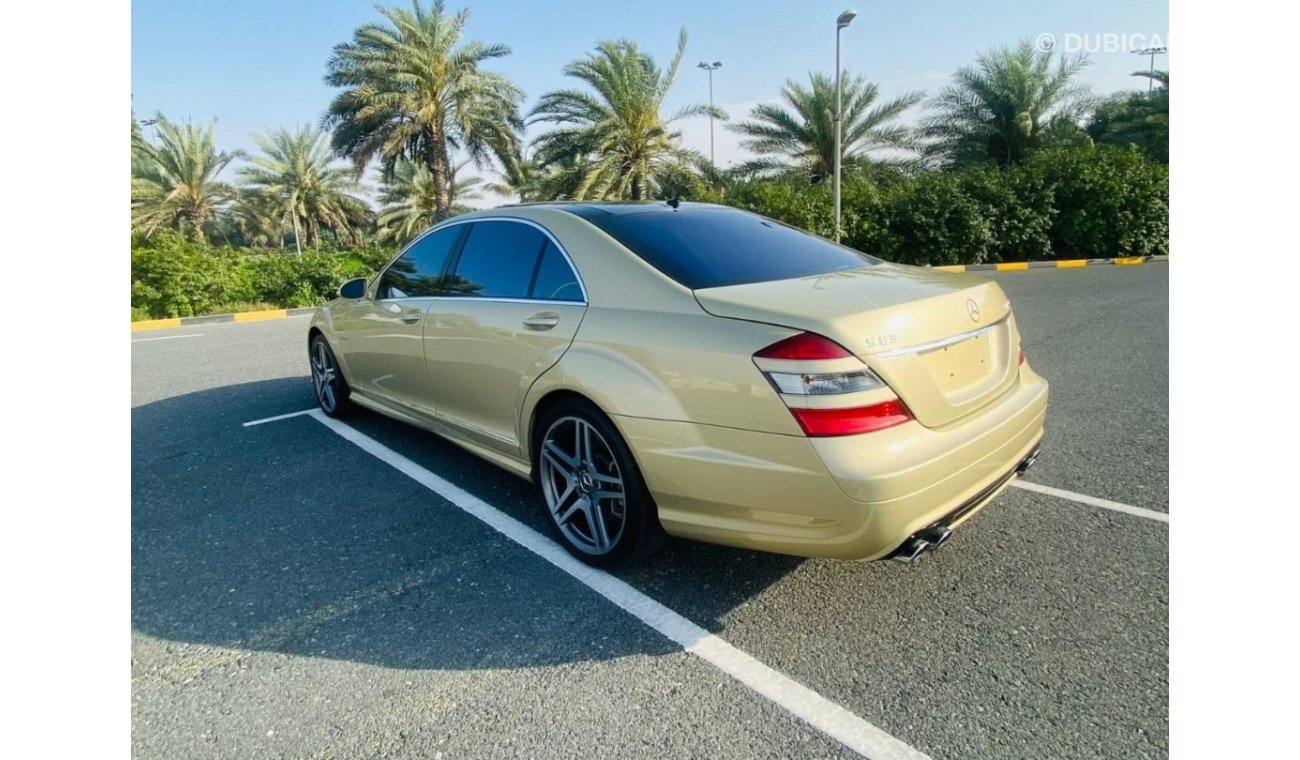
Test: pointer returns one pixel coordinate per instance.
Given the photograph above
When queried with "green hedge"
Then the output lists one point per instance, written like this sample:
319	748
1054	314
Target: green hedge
1060	204
171	277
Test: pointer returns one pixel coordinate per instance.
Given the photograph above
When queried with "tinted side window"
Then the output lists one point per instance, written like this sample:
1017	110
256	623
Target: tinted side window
712	247
419	271
555	279
497	261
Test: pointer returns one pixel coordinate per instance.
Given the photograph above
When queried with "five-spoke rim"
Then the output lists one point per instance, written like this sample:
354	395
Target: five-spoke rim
323	376
583	486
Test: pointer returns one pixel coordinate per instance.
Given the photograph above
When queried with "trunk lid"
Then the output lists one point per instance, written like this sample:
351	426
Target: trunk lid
946	343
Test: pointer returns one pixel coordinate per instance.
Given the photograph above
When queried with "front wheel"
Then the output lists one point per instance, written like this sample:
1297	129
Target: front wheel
598	504
332	393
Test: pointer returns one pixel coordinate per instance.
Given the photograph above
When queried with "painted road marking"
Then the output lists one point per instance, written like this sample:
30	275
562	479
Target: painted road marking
279	417
167	337
818	711
1060	493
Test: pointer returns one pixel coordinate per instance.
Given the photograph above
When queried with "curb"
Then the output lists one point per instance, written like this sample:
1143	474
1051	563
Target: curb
243	316
1017	266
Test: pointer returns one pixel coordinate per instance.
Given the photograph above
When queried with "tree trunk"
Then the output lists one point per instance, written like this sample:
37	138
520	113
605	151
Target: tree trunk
439	167
636	187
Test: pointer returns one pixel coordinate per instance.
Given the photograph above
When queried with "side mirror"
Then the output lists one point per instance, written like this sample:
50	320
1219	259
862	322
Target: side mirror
353	289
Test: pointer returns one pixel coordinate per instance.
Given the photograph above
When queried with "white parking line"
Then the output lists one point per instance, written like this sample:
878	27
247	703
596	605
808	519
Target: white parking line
818	711
1060	493
167	337
279	417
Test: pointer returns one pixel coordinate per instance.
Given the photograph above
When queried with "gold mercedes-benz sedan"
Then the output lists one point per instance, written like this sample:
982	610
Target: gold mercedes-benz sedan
694	370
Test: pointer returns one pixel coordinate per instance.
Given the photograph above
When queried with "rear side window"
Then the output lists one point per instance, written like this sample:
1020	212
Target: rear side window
419	271
555	280
709	247
497	261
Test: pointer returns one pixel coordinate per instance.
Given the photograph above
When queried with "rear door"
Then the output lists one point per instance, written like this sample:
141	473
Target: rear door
513	305
382	334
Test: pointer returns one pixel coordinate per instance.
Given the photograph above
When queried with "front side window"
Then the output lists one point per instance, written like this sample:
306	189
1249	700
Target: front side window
497	261
418	273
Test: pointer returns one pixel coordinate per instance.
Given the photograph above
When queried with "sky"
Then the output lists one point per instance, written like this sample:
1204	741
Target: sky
255	65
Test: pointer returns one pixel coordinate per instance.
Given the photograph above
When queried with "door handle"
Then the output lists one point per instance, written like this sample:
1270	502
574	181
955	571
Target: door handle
411	317
542	320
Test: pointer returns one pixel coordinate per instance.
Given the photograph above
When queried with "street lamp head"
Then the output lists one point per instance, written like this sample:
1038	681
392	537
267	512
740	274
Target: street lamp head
845	18
717	64
702	65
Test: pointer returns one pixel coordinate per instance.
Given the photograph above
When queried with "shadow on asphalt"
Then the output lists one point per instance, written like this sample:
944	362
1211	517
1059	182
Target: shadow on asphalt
286	538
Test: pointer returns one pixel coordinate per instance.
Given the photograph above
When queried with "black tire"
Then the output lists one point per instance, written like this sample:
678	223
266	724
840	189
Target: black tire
639	534
333	395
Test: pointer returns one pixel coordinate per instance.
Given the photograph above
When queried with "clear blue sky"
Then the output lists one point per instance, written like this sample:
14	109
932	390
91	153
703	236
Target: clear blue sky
255	64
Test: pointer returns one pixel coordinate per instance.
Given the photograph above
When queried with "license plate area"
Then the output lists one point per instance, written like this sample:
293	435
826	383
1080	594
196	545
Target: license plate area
961	367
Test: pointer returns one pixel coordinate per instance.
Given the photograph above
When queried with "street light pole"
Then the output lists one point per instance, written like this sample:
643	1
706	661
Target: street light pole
1153	52
710	67
842	21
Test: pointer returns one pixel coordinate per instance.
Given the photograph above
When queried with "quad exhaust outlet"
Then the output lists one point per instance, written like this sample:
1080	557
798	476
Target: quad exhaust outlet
934	536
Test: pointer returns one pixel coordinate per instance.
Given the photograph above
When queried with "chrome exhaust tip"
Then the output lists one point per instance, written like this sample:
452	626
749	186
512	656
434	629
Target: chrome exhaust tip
910	550
922	541
935	535
1028	461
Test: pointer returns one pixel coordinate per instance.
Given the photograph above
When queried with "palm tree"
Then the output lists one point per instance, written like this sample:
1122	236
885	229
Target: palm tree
174	181
523	177
413	91
611	141
408	202
296	172
258	219
1010	103
800	132
1138	119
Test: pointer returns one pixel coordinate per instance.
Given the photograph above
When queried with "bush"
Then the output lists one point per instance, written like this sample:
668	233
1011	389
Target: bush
1064	203
1106	201
807	207
171	277
929	220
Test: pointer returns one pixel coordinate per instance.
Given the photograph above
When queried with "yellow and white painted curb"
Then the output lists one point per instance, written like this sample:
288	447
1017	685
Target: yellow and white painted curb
1016	266
243	316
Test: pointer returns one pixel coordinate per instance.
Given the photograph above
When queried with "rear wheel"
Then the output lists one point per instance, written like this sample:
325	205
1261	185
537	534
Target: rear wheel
332	393
596	501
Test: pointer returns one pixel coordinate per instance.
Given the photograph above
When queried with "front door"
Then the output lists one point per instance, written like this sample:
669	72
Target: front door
381	335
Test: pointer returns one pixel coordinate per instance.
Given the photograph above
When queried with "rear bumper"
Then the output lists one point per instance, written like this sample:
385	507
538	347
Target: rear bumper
855	497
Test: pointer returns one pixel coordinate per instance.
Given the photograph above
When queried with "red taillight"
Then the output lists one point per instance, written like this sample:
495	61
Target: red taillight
804	347
1022	356
821	423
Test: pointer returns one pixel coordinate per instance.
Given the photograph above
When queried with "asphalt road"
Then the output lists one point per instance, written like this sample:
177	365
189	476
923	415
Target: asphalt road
294	596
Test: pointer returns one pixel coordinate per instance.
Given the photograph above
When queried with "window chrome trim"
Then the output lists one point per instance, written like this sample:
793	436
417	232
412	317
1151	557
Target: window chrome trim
372	288
921	348
582	286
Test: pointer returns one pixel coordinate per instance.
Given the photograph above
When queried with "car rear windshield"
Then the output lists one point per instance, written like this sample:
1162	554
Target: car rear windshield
709	247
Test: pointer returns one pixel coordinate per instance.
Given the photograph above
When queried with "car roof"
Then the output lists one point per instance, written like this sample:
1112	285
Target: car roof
591	210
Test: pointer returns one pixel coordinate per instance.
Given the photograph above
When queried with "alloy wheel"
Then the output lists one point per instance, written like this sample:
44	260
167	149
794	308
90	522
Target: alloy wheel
583	487
324	376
